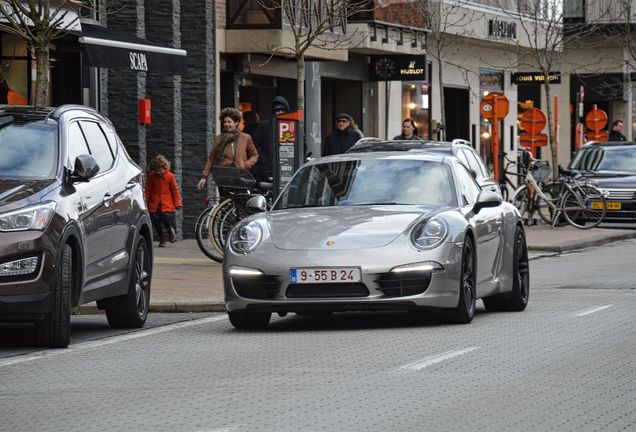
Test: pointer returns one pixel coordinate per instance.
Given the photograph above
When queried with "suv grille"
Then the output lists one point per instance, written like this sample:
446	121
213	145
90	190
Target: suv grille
404	284
622	194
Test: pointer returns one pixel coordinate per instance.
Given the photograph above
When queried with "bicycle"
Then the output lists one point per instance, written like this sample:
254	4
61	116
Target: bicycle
521	168
581	204
213	226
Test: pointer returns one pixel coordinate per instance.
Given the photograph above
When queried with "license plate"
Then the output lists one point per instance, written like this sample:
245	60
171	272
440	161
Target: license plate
308	275
598	205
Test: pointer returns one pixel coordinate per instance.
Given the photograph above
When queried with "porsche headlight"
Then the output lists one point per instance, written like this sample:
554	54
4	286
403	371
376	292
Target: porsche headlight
35	217
246	237
430	233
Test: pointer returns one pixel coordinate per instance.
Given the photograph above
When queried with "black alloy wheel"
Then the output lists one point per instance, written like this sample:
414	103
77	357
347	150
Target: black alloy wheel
131	310
465	310
517	299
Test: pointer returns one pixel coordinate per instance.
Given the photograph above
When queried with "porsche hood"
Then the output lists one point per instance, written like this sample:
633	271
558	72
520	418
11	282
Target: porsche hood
340	228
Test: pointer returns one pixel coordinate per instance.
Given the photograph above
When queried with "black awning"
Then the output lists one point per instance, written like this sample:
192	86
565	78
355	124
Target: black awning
107	48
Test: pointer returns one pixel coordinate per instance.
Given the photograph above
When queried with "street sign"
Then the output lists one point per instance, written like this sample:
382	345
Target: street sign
494	106
596	119
600	136
533	121
537	140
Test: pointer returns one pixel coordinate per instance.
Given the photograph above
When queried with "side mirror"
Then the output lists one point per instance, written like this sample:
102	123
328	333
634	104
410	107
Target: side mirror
86	167
256	204
487	199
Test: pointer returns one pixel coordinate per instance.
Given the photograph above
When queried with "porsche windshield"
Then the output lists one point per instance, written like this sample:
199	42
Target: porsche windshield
28	149
370	182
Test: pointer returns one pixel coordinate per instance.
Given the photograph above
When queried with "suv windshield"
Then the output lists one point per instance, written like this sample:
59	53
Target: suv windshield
28	149
606	159
370	182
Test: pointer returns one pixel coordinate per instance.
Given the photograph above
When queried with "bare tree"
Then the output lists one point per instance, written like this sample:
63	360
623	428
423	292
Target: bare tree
319	24
39	23
447	23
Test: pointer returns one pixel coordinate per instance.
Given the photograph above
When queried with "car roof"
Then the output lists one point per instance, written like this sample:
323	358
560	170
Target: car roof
593	144
28	113
383	145
378	155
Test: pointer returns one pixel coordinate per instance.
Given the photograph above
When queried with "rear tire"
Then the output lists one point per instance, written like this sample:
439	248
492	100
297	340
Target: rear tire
242	320
131	309
517	300
465	310
55	330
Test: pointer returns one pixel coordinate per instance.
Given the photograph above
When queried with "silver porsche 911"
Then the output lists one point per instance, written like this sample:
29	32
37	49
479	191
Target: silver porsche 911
377	231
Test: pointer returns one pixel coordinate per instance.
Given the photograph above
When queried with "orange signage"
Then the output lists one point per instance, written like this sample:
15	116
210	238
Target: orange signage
601	136
494	106
533	121
536	140
596	119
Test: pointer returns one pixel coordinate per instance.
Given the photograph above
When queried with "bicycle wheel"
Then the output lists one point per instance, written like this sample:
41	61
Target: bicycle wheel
202	234
521	200
584	207
223	218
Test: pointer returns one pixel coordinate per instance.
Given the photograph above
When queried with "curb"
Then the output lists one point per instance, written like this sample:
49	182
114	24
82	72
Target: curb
581	244
162	308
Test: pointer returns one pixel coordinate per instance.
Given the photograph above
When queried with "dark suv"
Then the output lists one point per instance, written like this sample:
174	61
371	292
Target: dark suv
74	227
611	166
458	147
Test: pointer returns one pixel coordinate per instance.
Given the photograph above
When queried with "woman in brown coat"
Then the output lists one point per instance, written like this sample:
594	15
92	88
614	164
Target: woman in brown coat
230	148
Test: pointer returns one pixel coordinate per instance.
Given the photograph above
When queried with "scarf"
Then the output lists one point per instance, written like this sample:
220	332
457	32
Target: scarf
226	139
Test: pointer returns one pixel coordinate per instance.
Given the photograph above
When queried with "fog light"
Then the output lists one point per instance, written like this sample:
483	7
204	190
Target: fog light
19	267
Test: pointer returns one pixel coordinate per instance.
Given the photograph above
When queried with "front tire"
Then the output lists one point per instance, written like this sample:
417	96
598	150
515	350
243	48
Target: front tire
242	320
465	310
517	300
131	309
55	330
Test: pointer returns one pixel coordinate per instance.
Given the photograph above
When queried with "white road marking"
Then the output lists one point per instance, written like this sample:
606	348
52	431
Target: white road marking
429	361
109	340
225	429
591	311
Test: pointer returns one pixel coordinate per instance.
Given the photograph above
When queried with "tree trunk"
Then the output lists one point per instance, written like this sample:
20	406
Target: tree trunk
551	138
300	83
442	101
42	59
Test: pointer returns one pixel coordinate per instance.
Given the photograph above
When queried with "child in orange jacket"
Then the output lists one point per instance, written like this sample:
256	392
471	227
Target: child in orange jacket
162	198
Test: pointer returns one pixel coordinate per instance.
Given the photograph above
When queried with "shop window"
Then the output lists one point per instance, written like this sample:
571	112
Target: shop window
14	70
416	105
490	80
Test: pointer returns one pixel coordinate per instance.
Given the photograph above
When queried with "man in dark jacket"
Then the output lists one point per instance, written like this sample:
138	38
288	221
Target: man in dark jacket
342	138
616	134
264	140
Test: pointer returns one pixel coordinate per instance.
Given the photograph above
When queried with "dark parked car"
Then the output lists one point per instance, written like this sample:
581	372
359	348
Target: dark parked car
74	227
459	148
611	166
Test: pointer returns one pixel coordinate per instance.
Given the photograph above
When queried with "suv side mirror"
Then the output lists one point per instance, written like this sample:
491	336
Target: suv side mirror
86	167
487	199
256	204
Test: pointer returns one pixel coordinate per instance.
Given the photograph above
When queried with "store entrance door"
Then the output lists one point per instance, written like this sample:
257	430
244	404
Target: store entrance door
457	115
340	96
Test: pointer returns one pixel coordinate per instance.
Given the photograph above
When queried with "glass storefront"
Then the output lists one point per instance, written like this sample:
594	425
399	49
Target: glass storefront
15	64
416	105
490	80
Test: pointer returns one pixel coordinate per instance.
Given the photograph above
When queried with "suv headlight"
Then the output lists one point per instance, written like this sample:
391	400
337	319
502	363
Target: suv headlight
430	233
246	237
36	217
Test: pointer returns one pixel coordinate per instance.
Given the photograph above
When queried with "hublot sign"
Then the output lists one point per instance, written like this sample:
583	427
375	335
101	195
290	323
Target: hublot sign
502	29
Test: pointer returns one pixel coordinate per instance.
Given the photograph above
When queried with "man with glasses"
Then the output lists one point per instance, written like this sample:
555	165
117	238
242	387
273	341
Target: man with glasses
342	138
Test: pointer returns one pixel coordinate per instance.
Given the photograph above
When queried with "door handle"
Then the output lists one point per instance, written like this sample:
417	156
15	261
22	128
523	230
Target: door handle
107	198
498	221
131	184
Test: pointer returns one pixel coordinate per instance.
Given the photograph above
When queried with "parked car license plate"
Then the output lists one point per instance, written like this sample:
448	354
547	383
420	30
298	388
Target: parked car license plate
309	275
597	205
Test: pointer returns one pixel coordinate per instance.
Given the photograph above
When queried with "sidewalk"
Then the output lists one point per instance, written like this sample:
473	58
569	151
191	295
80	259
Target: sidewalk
184	280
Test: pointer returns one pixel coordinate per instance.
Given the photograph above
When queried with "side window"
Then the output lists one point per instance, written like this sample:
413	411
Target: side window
98	145
476	164
111	137
76	144
467	185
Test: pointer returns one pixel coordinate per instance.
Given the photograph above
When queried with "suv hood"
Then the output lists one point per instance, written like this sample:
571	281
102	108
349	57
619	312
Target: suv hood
13	192
614	181
344	227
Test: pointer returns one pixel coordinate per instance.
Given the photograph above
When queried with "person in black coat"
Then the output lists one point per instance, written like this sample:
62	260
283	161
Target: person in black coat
342	138
264	140
616	134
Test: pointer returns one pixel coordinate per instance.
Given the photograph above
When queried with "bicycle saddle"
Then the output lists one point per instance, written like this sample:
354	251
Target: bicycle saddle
265	186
